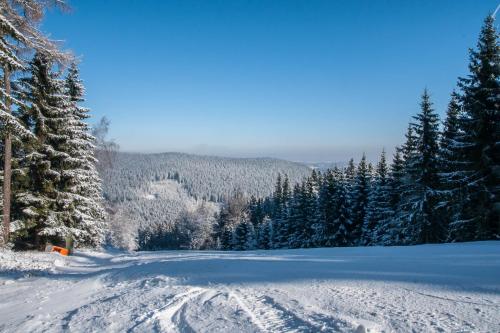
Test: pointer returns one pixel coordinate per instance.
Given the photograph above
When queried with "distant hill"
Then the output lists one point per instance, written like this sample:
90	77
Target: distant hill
152	191
203	177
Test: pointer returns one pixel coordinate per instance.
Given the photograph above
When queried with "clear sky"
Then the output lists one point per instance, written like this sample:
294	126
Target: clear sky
300	80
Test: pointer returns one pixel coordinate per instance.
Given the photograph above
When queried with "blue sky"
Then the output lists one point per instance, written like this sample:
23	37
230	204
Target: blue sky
299	80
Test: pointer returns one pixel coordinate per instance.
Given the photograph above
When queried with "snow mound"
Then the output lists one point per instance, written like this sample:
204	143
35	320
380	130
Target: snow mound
18	264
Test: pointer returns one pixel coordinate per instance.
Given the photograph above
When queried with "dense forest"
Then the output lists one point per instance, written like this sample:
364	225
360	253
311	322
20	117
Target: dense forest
169	200
443	184
204	177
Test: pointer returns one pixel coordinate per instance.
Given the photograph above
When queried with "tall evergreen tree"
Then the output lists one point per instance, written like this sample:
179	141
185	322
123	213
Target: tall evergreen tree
423	222
389	232
227	241
359	200
342	220
279	217
295	218
327	209
479	140
79	177
265	234
379	211
309	213
278	198
450	163
46	204
244	236
18	32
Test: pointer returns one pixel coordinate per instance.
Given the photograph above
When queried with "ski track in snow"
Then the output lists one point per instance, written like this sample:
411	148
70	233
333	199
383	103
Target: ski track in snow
447	288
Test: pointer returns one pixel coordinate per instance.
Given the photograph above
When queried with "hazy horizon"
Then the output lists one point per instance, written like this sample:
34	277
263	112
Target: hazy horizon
292	155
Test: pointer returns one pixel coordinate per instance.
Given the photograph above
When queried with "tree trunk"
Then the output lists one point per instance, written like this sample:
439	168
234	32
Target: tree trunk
7	172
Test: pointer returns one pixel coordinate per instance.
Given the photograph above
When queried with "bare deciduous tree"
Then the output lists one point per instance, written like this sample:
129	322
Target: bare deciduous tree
106	149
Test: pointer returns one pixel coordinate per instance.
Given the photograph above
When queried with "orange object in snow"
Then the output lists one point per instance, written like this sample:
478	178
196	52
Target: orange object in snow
62	251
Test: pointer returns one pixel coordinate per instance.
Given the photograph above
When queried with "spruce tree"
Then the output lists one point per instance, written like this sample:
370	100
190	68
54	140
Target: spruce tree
227	241
450	163
281	234
255	210
79	178
479	141
309	214
389	232
244	236
264	234
408	177
342	220
423	223
327	209
18	33
350	172
379	211
278	217
45	201
278	198
359	200
296	216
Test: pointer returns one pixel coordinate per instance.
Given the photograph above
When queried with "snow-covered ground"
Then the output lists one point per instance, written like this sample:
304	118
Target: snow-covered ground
441	288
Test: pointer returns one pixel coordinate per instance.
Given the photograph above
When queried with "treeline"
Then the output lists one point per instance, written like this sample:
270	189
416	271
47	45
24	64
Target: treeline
443	184
51	189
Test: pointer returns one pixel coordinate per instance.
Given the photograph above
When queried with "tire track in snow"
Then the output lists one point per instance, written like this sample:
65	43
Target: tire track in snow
247	310
168	317
270	316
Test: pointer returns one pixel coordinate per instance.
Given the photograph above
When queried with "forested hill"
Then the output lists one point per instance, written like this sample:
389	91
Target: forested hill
170	194
204	177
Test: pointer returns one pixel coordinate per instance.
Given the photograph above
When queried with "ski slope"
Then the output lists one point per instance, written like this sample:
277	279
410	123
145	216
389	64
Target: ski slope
428	288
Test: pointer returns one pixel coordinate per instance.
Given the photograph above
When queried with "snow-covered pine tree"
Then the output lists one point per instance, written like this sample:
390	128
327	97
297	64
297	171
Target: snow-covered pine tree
316	179
11	128
409	148
379	211
278	213
46	203
342	220
296	216
244	236
79	177
264	234
480	140
226	241
281	234
309	214
423	223
327	209
18	31
389	232
278	198
255	211
408	178
450	163
359	201
350	169
350	174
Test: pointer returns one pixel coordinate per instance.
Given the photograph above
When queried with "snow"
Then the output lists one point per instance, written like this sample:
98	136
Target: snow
426	288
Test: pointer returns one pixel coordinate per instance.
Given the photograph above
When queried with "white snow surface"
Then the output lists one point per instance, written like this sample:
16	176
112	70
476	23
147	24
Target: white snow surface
427	288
